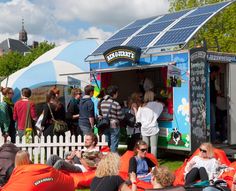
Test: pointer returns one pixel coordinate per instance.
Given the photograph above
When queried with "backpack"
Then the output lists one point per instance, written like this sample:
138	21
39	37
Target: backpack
7	158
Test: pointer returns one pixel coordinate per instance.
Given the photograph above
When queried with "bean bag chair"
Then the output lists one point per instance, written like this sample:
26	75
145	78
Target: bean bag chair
124	160
38	177
179	173
82	180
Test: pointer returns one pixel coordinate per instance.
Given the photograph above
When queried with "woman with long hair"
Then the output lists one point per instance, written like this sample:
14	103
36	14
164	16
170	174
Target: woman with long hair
107	175
133	132
203	166
58	111
22	158
147	115
140	164
72	114
7	122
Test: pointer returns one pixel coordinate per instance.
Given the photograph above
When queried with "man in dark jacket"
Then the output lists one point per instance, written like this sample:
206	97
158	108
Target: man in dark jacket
86	111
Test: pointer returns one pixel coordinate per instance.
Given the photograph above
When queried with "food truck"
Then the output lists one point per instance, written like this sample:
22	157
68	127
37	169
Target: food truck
157	48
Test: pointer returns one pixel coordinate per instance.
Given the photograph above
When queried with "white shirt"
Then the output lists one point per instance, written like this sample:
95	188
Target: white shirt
210	165
147	116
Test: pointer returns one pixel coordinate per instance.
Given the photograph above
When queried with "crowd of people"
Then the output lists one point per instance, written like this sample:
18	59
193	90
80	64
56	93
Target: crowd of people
139	115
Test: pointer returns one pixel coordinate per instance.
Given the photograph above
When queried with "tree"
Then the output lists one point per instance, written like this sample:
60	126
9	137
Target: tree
35	53
9	63
221	27
13	61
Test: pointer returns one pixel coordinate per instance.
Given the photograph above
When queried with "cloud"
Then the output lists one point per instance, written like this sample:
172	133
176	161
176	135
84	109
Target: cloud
116	12
57	21
94	33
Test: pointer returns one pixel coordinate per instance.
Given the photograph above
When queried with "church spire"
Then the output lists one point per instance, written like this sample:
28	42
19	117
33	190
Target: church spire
23	34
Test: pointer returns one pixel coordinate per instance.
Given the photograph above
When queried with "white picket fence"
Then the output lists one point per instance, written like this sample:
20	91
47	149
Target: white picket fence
40	150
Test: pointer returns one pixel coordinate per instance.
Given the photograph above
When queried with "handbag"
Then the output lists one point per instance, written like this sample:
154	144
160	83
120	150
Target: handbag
104	123
59	126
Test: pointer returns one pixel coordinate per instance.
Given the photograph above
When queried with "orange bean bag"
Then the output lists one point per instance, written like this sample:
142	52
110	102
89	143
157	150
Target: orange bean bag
124	166
179	173
83	180
38	177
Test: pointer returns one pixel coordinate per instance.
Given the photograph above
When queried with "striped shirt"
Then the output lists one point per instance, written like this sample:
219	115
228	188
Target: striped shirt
115	114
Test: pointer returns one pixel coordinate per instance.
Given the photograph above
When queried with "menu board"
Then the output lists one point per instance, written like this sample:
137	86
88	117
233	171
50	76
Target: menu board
198	89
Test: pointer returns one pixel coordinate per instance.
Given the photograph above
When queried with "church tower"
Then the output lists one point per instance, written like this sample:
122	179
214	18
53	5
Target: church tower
23	34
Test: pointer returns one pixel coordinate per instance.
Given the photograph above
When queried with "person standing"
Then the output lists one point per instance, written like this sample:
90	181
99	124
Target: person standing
20	111
86	111
52	109
72	115
8	124
147	115
213	97
115	115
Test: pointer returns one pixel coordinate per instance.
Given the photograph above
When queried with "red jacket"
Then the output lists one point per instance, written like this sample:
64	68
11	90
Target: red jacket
20	111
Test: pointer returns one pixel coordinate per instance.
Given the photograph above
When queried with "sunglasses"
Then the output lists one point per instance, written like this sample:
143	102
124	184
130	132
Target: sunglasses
143	150
202	150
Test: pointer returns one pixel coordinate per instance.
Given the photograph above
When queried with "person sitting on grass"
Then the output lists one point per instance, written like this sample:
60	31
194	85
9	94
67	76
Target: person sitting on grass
140	164
107	176
79	161
162	177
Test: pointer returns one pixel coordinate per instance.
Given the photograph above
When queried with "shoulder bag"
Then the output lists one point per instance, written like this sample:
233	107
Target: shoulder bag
59	126
104	123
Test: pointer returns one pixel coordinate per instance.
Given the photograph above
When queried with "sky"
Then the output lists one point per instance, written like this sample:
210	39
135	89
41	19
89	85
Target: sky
60	21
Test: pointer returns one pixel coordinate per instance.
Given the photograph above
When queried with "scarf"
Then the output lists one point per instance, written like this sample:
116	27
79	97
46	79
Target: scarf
8	101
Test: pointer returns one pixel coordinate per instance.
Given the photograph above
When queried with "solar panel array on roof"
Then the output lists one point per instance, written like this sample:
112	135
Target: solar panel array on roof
141	40
140	22
167	30
191	21
109	44
175	37
125	33
154	28
209	9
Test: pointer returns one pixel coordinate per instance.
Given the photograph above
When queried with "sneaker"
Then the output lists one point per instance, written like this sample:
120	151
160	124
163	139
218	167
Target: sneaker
225	141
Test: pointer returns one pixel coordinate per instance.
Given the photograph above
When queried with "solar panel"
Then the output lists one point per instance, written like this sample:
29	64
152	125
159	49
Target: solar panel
208	9
175	37
125	33
182	30
140	22
109	44
191	21
142	40
172	16
158	27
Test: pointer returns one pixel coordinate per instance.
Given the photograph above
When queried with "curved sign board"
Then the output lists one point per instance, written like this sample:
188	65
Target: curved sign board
122	53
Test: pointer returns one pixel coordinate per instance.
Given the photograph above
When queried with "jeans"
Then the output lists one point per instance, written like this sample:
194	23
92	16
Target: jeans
112	137
60	164
213	122
195	174
152	142
84	129
21	133
210	189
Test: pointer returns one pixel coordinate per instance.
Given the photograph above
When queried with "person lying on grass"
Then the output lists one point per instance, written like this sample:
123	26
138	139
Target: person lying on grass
79	161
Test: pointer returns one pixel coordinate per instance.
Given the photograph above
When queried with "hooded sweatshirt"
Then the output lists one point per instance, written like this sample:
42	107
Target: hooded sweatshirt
86	110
